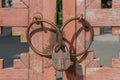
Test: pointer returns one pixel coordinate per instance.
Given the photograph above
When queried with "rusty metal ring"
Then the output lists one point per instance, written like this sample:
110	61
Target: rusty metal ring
29	38
87	26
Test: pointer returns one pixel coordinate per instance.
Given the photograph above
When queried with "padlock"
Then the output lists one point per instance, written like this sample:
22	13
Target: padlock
61	60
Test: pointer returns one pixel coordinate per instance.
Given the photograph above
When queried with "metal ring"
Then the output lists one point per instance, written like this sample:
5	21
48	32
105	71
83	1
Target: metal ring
29	38
86	25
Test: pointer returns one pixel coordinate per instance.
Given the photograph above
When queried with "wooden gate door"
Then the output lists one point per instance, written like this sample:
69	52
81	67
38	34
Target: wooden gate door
97	16
31	66
34	67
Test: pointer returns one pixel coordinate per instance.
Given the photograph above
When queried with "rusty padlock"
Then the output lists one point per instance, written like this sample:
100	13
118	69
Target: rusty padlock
61	60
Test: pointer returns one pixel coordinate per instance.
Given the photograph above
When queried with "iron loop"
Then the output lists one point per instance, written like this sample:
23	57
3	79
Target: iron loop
38	22
86	25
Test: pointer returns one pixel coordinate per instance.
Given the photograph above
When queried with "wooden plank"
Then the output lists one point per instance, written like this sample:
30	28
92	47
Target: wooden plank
80	33
20	4
96	4
116	63
0	30
13	17
0	27
36	61
24	57
20	31
13	74
89	58
96	30
94	63
103	17
93	4
69	31
103	73
17	64
49	38
40	39
116	30
75	36
115	3
80	40
1	63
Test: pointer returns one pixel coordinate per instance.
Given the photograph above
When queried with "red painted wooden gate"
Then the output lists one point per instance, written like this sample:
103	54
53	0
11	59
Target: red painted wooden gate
32	66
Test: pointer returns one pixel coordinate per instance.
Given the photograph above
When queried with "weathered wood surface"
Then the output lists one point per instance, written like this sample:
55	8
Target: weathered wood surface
1	63
95	72
75	36
69	32
103	17
13	17
13	74
19	70
42	40
103	73
20	3
116	30
0	30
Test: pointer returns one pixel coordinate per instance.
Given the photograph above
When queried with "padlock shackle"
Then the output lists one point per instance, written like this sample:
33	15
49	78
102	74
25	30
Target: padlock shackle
38	23
57	45
86	25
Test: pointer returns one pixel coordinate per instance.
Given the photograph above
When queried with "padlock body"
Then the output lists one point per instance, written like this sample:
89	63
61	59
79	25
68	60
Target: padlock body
61	60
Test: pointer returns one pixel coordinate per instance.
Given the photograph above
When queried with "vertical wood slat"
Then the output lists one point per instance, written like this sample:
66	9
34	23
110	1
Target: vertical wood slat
69	30
13	74
1	63
80	45
116	30
0	27
35	60
116	3
49	38
103	73
95	14
0	30
75	35
20	31
41	39
20	4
